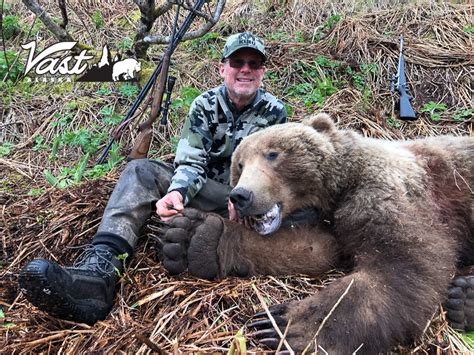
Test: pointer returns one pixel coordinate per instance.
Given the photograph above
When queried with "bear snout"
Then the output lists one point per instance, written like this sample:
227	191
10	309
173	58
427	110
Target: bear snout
242	200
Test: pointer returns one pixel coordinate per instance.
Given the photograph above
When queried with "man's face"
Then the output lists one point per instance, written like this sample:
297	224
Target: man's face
242	83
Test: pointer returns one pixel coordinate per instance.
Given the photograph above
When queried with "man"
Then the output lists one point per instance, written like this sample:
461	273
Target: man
218	120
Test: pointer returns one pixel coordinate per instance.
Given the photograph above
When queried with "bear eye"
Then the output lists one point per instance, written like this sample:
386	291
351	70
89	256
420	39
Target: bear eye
240	166
271	156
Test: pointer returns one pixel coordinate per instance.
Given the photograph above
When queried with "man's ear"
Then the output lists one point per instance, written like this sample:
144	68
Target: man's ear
321	122
221	69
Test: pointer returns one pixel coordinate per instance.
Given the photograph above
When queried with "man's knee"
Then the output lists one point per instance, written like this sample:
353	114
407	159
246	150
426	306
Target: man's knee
148	173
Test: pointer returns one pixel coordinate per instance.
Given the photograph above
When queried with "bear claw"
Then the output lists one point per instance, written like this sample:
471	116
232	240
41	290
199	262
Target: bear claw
272	343
265	332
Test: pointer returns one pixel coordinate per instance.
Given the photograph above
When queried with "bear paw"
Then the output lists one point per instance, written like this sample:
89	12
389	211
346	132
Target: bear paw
203	261
460	303
191	242
176	240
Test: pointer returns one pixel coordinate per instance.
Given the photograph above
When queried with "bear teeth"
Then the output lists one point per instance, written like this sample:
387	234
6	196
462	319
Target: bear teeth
265	217
269	222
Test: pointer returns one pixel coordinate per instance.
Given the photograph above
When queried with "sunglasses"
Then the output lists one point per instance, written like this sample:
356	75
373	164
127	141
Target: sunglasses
238	63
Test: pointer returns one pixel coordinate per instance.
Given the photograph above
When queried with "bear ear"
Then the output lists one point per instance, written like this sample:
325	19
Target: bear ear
321	122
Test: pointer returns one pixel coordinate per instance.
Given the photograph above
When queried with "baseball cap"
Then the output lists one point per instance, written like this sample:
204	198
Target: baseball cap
243	40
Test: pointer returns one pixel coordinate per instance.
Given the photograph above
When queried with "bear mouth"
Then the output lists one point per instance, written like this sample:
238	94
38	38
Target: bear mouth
267	223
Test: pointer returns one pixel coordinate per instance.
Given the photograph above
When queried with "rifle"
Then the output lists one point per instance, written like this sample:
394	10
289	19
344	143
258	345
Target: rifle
399	81
145	130
146	88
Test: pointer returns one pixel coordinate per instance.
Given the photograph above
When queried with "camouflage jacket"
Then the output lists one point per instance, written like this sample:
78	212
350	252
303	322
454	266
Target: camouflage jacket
211	133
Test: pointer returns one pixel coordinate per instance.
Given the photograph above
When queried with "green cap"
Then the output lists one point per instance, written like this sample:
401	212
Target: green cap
243	40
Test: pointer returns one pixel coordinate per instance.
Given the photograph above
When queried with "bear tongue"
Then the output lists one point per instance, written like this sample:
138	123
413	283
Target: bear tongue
270	222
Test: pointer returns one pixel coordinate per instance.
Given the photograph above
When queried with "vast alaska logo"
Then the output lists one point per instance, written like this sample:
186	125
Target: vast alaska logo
58	63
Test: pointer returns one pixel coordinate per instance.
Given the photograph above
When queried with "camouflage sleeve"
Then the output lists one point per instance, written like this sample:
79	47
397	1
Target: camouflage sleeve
282	117
275	110
192	153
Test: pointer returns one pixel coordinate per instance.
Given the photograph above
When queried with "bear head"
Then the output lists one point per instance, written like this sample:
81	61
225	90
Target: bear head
282	169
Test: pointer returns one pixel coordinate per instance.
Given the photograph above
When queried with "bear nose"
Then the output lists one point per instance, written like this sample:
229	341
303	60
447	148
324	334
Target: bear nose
242	199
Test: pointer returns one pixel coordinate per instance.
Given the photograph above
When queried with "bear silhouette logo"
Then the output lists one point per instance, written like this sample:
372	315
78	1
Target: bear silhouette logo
127	68
109	69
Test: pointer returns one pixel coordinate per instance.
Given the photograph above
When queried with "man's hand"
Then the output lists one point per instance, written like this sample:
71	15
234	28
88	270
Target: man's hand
170	205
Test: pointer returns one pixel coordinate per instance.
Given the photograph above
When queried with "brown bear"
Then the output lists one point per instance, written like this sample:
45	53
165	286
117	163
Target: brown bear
401	212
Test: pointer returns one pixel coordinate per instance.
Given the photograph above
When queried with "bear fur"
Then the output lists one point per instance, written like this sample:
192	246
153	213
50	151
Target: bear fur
209	247
400	212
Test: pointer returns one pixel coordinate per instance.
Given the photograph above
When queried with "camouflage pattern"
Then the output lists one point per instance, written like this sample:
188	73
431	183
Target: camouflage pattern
211	133
243	40
141	184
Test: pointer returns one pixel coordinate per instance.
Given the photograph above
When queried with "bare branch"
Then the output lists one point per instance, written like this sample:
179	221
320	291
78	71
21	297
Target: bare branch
148	16
189	6
79	13
163	8
62	7
60	33
210	22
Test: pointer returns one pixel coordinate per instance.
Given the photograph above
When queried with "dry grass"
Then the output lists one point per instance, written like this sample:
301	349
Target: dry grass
153	311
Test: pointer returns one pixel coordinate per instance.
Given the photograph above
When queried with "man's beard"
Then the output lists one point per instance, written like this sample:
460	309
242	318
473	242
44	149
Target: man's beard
242	94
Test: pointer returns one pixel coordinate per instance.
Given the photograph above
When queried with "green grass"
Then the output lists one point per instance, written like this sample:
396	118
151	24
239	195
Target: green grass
3	324
98	19
11	26
463	114
434	109
11	67
6	149
469	338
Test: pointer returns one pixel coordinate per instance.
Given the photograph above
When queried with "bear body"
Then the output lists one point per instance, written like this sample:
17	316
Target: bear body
402	211
397	215
128	68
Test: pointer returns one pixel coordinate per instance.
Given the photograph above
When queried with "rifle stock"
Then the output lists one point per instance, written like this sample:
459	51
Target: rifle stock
142	144
406	110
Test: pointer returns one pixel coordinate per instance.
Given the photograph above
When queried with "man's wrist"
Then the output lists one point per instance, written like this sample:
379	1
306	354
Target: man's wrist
182	191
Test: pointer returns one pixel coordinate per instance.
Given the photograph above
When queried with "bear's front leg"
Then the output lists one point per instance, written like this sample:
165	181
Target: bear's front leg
331	320
210	247
362	311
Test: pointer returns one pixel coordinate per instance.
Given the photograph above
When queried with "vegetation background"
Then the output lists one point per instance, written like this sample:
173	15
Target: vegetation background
336	57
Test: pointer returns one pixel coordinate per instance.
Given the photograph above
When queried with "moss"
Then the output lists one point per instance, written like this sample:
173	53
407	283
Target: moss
145	74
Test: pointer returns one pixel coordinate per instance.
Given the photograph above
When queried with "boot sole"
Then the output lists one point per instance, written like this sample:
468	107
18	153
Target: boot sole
48	297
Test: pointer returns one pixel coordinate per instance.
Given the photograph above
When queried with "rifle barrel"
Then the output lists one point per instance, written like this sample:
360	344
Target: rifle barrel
179	35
